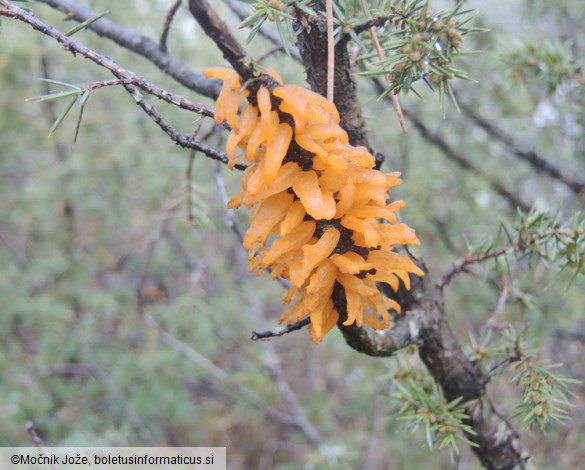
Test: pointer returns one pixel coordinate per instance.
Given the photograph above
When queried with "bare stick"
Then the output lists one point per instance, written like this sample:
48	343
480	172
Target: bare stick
269	52
493	320
256	335
118	396
380	53
454	155
539	163
330	51
162	44
275	369
459	265
124	75
30	428
190	216
217	373
231	220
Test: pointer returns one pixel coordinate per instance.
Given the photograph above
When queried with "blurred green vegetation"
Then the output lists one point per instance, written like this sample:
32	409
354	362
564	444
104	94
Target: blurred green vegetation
87	230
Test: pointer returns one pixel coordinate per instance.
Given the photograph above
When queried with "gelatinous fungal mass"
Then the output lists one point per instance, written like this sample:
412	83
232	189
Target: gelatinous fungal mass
320	212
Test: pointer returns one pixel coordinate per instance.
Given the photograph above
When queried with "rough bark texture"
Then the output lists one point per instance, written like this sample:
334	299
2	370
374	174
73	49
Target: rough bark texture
424	321
499	446
219	32
313	49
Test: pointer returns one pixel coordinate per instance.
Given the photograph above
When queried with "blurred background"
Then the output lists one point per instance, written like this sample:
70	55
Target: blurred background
126	308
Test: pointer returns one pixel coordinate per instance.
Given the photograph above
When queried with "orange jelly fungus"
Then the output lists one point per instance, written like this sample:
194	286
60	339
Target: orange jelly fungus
321	214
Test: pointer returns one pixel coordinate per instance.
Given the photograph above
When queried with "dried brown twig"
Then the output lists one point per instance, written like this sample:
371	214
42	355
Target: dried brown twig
256	335
380	53
330	50
162	44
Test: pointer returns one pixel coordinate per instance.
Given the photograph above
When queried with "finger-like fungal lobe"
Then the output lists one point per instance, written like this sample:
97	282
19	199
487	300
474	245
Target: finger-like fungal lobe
321	214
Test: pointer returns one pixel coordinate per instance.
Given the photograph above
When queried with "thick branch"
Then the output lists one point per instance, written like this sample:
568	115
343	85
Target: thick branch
498	445
424	322
313	48
219	32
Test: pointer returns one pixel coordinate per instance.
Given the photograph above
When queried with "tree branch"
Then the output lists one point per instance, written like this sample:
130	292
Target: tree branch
424	321
127	79
268	33
162	44
313	49
138	44
536	161
219	374
456	157
218	31
460	264
453	155
256	335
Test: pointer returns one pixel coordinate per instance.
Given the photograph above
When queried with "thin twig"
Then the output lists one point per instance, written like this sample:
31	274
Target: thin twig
62	151
30	428
190	216
330	50
217	373
154	90
493	320
465	261
162	44
269	52
180	139
138	44
485	378
275	369
117	396
267	33
460	264
454	155
539	163
153	242
123	75
393	95
256	335
514	201
516	357
231	220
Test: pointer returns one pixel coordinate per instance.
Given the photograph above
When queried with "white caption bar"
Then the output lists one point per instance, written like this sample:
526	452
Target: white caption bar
112	458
